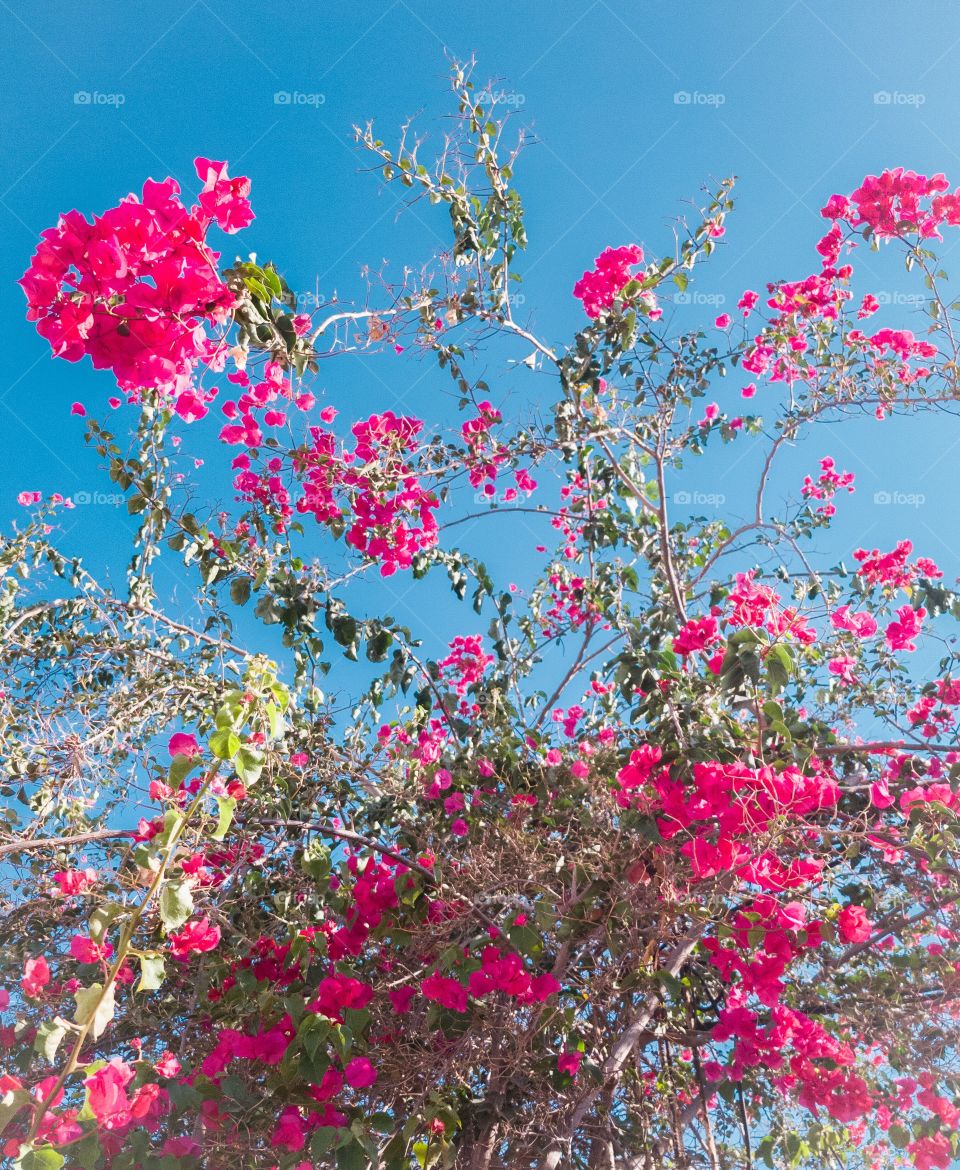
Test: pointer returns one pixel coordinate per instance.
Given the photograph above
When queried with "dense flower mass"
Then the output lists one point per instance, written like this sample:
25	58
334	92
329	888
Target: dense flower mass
598	288
136	289
898	201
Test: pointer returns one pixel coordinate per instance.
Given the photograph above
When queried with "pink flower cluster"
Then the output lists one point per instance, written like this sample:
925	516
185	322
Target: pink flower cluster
598	288
827	484
893	570
935	712
898	201
486	455
497	972
116	1111
901	633
832	1084
765	937
466	663
389	511
758	606
196	937
698	634
726	808
135	289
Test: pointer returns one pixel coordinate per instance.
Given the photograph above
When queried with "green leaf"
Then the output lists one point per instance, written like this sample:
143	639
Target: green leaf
240	590
272	281
779	667
151	972
50	1036
226	806
45	1159
248	763
87	1152
277	724
176	903
102	918
427	1154
225	744
796	1148
10	1105
352	1157
180	769
322	1141
94	1006
899	1136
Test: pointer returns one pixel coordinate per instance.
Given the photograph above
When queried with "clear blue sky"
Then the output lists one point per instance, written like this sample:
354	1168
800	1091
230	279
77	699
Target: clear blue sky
799	99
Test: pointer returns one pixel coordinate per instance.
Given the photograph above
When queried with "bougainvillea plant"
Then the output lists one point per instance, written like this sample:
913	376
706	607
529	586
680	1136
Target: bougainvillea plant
649	860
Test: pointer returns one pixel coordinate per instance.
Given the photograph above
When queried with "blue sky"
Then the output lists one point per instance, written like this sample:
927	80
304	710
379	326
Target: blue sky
634	107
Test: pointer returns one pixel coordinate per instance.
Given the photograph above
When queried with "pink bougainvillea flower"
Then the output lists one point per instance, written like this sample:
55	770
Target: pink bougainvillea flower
36	976
401	999
222	198
182	744
72	882
197	936
598	289
360	1073
85	950
167	1065
854	925
290	1132
449	993
107	1097
901	633
864	625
